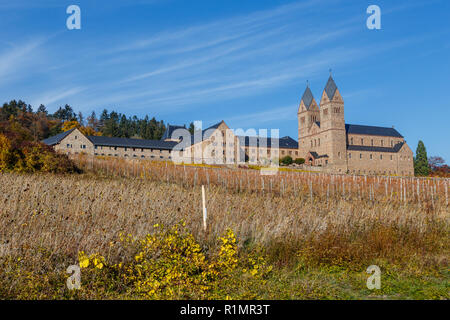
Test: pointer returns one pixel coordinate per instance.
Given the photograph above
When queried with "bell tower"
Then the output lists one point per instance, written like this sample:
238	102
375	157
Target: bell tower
308	115
333	125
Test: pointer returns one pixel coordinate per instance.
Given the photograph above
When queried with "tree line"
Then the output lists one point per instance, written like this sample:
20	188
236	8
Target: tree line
43	124
21	128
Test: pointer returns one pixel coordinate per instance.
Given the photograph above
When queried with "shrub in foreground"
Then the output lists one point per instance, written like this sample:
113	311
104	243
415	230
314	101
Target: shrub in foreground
167	264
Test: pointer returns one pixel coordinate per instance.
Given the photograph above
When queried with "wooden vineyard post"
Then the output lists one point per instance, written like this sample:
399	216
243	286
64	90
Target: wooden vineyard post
204	207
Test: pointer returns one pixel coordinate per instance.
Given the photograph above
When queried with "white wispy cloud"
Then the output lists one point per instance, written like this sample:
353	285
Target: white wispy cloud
14	58
196	65
217	32
262	117
59	95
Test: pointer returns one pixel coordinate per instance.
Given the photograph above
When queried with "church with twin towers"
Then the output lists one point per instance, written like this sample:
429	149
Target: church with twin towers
325	140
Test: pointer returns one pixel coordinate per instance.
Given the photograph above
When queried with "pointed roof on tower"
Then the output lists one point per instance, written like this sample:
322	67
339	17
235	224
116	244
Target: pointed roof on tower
330	88
307	98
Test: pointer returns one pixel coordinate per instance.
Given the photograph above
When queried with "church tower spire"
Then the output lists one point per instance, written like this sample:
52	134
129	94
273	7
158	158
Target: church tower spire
308	112
333	123
331	107
330	88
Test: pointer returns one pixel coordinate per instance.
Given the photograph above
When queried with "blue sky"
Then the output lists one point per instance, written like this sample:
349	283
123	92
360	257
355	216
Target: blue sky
246	62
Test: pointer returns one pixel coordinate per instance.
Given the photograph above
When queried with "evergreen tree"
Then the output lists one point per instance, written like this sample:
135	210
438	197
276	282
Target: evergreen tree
92	121
191	128
65	113
42	109
80	118
124	130
9	109
111	125
421	166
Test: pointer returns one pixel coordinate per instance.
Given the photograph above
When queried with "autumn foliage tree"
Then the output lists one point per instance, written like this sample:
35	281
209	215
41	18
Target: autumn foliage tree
438	167
22	129
86	130
20	152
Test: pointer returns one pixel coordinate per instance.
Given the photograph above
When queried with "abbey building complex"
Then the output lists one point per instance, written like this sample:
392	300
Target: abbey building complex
325	141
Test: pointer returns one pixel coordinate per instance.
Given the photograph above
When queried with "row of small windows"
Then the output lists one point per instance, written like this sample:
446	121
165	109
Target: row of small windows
381	157
372	143
283	152
380	172
134	156
82	146
375	172
370	156
115	148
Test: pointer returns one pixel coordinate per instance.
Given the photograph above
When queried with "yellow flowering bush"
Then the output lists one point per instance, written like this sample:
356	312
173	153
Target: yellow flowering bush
95	260
258	267
228	251
169	264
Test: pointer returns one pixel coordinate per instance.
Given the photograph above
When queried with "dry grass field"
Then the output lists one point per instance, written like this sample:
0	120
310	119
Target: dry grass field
294	235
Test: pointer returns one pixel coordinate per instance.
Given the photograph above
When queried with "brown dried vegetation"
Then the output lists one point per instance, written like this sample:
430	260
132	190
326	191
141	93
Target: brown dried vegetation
317	219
